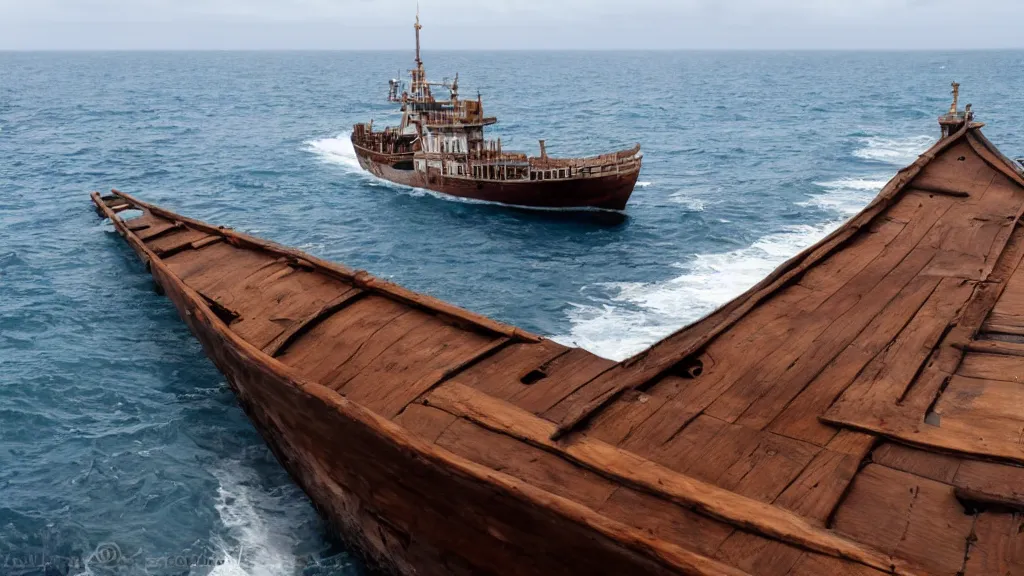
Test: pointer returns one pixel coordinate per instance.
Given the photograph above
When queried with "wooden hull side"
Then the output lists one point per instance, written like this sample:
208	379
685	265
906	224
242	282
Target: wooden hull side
406	512
610	192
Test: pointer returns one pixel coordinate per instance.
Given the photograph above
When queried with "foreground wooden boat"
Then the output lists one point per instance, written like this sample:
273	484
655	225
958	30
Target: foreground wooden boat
858	412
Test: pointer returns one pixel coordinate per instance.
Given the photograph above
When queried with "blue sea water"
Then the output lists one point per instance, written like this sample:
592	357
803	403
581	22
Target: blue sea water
121	448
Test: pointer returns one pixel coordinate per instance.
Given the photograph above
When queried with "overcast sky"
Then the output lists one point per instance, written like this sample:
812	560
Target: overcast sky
512	24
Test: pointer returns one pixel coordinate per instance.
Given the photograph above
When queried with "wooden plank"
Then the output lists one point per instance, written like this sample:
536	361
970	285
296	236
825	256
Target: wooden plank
890	374
654	479
549	395
360	279
424	421
616	423
823	334
502	375
818	565
992	367
906	516
298	328
819	487
938	467
753	463
995	347
758	555
413	363
528	463
990	483
172	242
343	336
666	521
157	228
999	549
895	299
989	408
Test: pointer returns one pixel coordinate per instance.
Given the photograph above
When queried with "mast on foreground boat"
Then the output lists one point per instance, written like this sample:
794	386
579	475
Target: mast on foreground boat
440	145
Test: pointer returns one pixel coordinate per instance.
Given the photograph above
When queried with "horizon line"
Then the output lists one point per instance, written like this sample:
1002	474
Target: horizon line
471	50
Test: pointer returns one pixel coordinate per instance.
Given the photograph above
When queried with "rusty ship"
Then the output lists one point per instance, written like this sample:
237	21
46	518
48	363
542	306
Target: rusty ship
857	412
440	145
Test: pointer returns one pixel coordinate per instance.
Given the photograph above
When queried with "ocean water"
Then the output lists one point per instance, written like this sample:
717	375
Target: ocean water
121	448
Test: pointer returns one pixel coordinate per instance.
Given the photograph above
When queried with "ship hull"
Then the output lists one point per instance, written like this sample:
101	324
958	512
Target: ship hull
407	507
610	191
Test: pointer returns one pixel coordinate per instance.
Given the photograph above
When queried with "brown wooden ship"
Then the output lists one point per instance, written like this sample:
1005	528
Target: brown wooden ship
440	145
860	411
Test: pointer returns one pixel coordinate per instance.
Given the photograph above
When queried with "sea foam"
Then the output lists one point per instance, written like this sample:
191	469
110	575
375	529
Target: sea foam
896	151
640	314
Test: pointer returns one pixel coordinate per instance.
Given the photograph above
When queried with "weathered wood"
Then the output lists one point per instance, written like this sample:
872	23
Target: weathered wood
906	516
663	356
990	483
999	546
939	467
649	477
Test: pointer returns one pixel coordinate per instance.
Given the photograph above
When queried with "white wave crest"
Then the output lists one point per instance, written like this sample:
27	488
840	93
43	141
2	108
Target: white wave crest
263	536
688	201
896	151
337	150
846	196
643	184
640	314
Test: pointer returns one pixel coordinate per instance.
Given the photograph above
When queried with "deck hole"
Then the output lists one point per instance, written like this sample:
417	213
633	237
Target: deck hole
933	419
533	377
691	368
962	159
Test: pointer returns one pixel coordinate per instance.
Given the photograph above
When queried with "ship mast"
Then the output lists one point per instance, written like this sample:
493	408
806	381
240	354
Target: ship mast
420	86
419	63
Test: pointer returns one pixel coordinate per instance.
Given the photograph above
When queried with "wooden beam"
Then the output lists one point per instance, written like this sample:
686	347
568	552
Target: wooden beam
994	347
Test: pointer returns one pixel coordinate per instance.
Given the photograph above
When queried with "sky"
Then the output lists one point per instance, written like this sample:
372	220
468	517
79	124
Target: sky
511	24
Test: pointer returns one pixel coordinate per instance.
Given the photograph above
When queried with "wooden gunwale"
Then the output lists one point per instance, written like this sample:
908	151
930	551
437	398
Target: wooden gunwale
599	457
659	359
358	278
669	555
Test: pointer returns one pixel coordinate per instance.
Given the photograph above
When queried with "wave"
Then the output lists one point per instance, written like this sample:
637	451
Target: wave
687	201
338	150
896	151
846	196
262	535
640	314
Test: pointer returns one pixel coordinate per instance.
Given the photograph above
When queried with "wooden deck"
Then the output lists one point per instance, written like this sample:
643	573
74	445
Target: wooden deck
860	411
